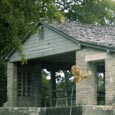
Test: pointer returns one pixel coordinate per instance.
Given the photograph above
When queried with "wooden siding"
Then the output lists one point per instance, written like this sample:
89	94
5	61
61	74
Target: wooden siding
52	43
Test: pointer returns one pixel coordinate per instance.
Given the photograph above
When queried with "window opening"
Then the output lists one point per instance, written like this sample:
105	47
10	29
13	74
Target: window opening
58	93
23	84
63	88
46	88
100	83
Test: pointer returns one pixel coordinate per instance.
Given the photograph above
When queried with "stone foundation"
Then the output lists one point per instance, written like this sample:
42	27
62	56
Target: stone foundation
79	110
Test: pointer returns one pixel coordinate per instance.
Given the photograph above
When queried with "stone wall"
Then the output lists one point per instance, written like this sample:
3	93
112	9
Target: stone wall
98	110
79	110
86	90
24	84
86	93
22	111
110	79
11	84
29	83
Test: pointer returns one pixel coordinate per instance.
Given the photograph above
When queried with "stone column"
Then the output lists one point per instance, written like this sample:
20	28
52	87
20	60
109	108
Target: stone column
86	90
11	84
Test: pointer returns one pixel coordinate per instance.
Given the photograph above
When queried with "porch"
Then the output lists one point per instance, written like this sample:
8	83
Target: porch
25	83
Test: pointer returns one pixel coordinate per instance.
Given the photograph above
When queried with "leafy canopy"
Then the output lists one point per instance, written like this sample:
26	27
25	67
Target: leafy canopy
18	17
101	12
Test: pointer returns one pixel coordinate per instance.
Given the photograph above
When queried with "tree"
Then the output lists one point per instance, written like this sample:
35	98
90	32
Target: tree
3	84
99	12
17	18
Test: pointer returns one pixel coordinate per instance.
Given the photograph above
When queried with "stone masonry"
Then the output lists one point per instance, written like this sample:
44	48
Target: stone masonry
86	90
110	79
79	110
11	85
23	85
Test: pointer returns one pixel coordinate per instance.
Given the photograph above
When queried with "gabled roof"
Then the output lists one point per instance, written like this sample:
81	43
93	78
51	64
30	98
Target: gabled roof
102	37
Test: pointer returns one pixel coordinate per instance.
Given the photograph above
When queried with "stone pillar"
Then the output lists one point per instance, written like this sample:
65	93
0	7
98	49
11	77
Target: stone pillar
86	90
11	84
110	79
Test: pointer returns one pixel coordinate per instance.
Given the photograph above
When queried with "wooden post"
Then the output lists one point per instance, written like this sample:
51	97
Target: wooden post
53	87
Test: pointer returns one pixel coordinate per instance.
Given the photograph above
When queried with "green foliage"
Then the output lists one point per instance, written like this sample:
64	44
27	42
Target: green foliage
101	12
18	17
3	89
100	82
64	86
45	90
64	83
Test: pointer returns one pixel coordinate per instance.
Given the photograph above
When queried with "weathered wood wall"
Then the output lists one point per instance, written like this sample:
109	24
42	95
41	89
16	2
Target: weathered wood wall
52	43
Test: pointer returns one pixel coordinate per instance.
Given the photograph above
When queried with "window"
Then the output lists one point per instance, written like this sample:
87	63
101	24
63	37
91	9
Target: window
24	84
100	83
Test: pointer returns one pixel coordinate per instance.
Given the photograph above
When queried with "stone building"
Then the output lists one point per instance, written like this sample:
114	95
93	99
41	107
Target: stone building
59	46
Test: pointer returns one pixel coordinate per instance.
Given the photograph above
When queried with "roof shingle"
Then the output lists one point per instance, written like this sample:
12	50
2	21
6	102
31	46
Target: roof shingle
100	35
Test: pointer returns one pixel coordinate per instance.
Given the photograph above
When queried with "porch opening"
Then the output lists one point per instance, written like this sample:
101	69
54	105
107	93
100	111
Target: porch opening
100	79
60	85
57	88
46	81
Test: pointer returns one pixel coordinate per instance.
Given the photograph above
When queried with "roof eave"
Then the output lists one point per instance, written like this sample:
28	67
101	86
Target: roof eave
96	46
